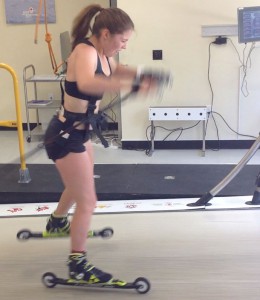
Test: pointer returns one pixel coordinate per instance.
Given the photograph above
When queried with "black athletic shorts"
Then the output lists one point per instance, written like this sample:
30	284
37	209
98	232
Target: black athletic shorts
59	146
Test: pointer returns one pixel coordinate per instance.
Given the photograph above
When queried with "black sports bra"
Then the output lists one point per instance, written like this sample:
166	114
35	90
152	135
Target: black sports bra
71	87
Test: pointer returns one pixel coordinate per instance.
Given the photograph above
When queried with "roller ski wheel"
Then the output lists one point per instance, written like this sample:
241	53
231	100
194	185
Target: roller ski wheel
26	234
105	233
141	284
49	279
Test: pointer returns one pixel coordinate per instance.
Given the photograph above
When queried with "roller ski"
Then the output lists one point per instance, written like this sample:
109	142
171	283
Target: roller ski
82	273
141	284
26	234
58	227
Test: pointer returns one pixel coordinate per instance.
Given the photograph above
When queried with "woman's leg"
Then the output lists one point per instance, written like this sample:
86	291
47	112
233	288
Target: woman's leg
76	170
65	203
90	151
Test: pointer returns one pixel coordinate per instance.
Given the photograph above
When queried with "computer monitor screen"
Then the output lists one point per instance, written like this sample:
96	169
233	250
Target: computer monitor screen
248	24
65	46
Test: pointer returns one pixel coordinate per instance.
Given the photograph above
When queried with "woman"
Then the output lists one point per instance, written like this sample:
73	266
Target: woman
91	71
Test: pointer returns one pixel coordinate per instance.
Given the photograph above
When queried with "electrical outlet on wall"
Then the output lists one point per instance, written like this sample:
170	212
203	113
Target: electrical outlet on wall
157	55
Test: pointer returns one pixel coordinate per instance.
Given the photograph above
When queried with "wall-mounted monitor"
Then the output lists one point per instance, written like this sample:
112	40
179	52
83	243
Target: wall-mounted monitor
248	24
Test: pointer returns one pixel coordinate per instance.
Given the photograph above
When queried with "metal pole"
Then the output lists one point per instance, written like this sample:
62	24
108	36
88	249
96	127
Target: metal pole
24	172
208	196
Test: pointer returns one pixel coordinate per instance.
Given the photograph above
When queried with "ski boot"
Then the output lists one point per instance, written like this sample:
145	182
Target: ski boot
81	269
82	273
58	227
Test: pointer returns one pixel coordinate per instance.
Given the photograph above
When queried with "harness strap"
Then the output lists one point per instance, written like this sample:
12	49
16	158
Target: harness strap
93	122
92	118
62	92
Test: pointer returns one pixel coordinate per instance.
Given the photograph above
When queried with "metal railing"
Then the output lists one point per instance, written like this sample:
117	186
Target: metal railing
24	176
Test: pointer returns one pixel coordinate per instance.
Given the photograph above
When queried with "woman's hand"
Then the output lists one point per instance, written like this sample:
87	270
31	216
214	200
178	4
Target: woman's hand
151	80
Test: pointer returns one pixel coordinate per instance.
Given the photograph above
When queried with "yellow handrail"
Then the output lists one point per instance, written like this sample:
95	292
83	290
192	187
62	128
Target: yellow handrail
8	123
24	174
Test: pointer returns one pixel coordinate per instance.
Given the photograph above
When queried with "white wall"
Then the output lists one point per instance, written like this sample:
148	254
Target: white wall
171	25
175	27
18	50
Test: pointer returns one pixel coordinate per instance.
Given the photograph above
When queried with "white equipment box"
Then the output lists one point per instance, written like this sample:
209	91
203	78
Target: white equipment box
179	113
